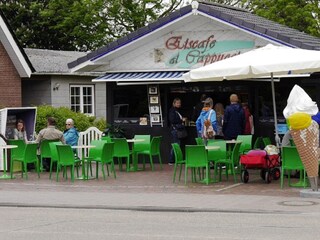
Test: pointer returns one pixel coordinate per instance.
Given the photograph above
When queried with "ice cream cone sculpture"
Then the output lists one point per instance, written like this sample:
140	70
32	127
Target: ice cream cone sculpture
305	133
304	130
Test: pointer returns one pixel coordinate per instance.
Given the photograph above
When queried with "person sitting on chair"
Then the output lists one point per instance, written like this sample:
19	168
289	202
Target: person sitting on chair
50	133
20	132
71	135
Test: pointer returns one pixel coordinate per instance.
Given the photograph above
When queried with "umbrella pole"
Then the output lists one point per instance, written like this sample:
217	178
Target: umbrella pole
277	138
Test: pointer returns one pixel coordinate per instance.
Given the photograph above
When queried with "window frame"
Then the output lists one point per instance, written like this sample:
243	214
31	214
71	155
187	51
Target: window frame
82	86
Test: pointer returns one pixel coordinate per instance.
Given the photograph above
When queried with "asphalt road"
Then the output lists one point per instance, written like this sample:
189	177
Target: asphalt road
77	224
148	205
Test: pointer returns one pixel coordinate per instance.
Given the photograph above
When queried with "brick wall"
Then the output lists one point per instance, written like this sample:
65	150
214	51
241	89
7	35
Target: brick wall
10	82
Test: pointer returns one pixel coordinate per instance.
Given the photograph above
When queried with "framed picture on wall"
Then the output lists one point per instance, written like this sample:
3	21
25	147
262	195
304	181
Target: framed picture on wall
155	118
155	109
154	99
153	90
143	121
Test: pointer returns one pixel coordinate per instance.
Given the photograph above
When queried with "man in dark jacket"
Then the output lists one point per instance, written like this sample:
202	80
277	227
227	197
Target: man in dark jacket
234	119
175	119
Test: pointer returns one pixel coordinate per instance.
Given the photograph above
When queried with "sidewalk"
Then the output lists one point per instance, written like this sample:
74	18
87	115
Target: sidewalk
154	191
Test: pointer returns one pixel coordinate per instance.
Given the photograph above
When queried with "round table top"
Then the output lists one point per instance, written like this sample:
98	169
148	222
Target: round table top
83	146
8	146
233	141
135	140
212	147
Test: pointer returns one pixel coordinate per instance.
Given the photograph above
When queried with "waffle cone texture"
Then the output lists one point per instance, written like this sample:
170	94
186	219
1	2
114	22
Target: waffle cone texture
307	143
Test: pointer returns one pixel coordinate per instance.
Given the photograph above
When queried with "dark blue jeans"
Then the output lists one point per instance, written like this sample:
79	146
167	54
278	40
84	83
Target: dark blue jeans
175	139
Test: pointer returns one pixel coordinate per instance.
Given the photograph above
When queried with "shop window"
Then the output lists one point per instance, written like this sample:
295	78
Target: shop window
130	102
82	98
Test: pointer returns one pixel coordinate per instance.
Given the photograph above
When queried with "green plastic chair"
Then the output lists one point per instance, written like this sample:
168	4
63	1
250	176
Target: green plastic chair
106	138
199	141
17	152
178	160
45	151
66	159
140	146
29	156
229	162
104	157
94	152
266	141
143	145
214	140
258	143
121	150
97	150
291	161
246	144
196	157
153	150
292	142
220	153
53	154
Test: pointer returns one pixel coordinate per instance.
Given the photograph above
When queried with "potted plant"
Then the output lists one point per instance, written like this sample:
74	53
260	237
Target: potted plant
115	131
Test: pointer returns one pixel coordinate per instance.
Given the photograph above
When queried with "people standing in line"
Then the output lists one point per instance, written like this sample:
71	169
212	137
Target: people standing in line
71	134
198	108
234	120
49	133
19	133
218	107
176	122
207	113
249	127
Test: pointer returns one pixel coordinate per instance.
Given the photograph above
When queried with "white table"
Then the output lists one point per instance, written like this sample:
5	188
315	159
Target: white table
83	147
233	141
5	149
230	143
212	147
133	140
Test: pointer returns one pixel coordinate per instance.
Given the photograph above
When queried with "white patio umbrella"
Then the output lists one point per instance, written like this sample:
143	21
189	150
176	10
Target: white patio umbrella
262	62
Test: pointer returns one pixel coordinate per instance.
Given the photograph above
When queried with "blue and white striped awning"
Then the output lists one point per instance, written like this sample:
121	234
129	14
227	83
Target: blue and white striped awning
141	76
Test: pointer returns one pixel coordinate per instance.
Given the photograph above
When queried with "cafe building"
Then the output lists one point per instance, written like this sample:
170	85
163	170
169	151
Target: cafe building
143	71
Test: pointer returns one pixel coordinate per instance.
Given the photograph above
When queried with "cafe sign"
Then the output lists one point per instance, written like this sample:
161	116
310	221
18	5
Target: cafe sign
187	52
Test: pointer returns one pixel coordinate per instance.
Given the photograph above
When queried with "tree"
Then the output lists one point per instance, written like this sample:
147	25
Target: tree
302	15
80	24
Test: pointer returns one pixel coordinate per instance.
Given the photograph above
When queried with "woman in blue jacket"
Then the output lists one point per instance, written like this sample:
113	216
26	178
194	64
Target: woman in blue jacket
207	113
71	135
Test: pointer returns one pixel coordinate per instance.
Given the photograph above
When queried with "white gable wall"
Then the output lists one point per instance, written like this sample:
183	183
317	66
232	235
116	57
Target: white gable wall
160	50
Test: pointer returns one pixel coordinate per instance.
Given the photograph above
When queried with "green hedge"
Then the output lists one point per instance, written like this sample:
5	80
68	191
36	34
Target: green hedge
81	121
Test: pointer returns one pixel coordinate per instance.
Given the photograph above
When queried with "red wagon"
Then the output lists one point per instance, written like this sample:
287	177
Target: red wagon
259	159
